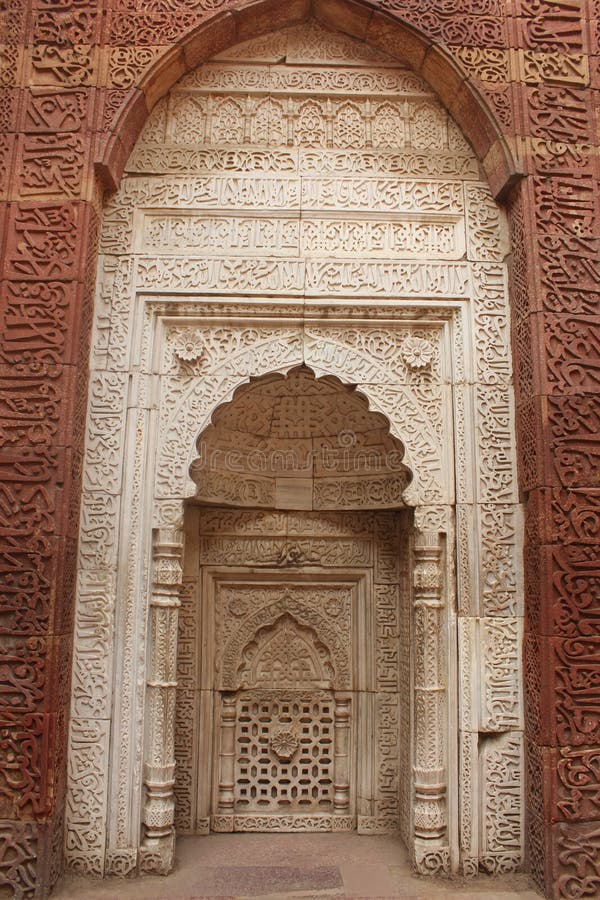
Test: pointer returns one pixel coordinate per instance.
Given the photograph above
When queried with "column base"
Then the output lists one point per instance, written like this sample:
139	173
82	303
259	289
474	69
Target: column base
431	860
157	858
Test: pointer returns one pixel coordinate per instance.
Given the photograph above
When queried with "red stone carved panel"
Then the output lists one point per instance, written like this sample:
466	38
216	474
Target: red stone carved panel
474	24
576	595
19	858
66	24
51	165
566	575
147	28
569	267
525	361
578	784
538	854
574	518
26	764
566	205
571	347
535	462
55	111
23	670
43	241
562	702
519	211
548	26
577	662
574	440
9	104
71	66
576	854
536	699
36	407
559	113
39	322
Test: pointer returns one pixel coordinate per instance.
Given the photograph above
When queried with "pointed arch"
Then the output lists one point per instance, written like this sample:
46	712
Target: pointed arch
386	31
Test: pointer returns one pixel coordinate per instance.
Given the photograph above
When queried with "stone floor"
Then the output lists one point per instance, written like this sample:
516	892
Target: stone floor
292	867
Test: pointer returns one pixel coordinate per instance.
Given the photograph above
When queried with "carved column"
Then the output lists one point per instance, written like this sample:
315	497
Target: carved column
156	853
341	759
223	821
431	849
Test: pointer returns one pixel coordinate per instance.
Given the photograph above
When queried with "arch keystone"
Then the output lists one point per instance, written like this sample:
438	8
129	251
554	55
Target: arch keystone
346	16
262	16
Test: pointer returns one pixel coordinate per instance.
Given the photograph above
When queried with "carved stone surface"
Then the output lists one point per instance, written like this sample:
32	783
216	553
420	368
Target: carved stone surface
277	215
285	752
77	79
300	442
503	814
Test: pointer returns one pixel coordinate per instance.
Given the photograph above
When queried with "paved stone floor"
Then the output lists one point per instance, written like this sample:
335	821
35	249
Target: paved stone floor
293	867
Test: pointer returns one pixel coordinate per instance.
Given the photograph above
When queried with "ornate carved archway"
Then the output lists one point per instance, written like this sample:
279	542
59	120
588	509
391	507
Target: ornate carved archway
423	627
418	324
300	534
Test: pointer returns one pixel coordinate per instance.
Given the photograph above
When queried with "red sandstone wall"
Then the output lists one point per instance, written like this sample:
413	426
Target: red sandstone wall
77	81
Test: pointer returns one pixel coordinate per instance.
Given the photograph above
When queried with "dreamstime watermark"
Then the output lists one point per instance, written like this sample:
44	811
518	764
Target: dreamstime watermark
341	455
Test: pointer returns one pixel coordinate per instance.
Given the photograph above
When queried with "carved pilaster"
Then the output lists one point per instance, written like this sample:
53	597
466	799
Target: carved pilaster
157	850
430	818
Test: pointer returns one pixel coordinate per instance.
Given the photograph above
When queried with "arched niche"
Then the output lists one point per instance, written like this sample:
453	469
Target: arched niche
294	617
284	654
418	325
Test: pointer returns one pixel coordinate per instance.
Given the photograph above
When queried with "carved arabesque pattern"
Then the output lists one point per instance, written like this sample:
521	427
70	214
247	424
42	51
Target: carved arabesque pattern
285	655
267	607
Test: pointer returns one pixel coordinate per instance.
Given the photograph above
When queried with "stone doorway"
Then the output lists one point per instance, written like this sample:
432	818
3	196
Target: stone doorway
294	648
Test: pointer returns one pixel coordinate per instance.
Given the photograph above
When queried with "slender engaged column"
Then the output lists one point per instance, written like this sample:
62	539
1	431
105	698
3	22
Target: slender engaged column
227	756
157	851
431	851
341	759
